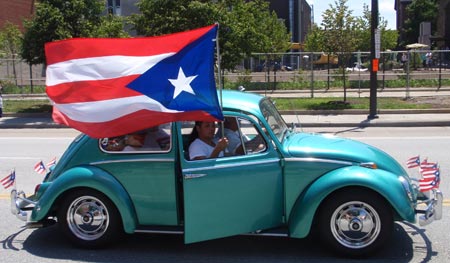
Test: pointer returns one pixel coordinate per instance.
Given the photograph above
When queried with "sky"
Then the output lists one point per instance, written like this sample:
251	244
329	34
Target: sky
385	8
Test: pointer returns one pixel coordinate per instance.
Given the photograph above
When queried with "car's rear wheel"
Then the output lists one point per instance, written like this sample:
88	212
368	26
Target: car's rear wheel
89	219
355	222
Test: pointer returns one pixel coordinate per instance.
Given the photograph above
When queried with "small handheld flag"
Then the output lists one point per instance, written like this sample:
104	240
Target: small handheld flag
9	180
40	167
51	162
413	162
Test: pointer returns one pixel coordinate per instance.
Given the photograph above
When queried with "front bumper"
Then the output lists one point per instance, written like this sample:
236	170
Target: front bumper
433	207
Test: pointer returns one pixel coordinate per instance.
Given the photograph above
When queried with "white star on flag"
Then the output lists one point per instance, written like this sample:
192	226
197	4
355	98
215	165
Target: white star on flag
182	83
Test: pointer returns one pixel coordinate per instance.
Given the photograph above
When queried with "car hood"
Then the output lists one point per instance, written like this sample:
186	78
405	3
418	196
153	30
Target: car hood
307	145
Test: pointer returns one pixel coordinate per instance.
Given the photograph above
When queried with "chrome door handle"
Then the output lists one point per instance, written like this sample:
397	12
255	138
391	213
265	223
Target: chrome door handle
192	176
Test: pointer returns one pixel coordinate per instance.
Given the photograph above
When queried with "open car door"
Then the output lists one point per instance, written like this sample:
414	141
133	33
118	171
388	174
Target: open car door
234	194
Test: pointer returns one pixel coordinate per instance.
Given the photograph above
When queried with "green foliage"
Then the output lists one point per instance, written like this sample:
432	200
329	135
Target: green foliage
9	87
351	103
339	28
342	32
245	26
27	106
417	12
10	38
62	19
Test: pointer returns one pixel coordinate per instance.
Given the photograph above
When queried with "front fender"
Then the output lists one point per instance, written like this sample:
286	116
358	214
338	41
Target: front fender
385	183
89	177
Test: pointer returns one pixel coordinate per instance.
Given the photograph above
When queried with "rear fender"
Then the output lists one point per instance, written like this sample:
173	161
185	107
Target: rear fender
385	183
87	177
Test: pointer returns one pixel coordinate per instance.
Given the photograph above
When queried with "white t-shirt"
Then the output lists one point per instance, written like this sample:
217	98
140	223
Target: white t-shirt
200	148
234	140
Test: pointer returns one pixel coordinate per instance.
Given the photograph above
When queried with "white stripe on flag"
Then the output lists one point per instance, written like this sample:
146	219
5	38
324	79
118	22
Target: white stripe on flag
99	68
107	110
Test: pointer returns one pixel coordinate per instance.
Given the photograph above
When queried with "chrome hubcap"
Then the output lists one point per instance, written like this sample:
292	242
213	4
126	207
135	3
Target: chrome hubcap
355	224
87	218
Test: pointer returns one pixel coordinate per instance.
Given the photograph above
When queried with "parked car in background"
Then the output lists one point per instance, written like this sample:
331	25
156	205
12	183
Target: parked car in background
284	182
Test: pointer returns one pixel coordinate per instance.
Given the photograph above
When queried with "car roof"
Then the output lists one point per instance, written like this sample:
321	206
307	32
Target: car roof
241	101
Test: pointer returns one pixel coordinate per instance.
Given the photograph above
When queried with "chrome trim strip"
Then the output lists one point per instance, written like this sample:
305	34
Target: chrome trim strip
190	170
266	234
134	160
159	232
312	159
193	176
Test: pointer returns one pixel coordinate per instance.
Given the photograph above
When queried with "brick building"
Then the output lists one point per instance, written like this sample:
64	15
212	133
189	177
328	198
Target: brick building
442	37
15	11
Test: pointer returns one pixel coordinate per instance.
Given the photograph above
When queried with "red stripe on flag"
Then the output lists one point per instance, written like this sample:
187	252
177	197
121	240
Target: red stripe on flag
139	120
82	47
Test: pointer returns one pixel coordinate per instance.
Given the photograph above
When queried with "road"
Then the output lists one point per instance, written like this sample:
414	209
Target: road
22	148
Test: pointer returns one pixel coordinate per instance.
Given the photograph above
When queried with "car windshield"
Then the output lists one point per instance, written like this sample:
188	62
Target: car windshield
274	119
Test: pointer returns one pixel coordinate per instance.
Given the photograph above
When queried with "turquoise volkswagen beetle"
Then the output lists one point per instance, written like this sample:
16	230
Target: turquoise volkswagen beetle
281	182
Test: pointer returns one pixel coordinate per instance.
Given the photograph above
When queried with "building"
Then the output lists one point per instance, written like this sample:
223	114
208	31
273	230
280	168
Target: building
442	37
122	7
296	15
16	11
400	8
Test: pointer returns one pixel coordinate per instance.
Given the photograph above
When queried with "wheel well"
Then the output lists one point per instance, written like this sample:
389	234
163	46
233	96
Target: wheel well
352	189
63	195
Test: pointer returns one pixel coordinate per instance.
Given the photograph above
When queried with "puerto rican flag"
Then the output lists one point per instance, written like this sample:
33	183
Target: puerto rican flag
413	162
430	179
40	168
9	180
110	87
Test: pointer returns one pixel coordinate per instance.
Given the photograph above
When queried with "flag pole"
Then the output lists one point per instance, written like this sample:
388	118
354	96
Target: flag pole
219	70
219	75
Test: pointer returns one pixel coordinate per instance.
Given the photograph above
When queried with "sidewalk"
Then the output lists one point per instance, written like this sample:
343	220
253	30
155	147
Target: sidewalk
305	119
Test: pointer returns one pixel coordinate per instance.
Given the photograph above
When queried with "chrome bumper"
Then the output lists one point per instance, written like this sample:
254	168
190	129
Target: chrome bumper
21	206
433	210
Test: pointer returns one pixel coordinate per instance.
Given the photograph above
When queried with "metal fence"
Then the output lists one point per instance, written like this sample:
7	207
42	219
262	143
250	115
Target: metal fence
21	74
290	69
314	67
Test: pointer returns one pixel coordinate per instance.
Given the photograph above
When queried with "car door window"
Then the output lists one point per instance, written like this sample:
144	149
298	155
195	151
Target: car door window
153	139
251	140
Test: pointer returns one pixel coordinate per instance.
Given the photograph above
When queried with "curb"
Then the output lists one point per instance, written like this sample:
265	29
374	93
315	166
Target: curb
359	112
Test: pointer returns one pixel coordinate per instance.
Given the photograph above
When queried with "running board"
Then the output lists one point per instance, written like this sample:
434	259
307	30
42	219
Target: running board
171	230
276	232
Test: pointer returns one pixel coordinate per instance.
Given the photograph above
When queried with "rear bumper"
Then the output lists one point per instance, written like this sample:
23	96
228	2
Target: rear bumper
433	207
21	206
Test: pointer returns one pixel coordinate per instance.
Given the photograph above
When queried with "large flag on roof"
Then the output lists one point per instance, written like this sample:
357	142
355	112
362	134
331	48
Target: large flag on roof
109	87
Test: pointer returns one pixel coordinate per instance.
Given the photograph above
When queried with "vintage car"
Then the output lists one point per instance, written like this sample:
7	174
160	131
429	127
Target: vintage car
284	182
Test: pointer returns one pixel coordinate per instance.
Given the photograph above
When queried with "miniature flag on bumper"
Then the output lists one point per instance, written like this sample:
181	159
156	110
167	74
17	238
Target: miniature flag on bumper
9	180
111	87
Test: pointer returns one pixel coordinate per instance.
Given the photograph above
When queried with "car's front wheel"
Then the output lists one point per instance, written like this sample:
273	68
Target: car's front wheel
89	219
355	222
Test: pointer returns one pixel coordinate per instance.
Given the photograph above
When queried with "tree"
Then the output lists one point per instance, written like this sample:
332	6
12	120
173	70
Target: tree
417	12
245	26
62	19
388	37
340	34
317	41
10	38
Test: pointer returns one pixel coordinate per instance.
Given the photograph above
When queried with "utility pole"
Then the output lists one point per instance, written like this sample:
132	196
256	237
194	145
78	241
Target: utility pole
374	55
